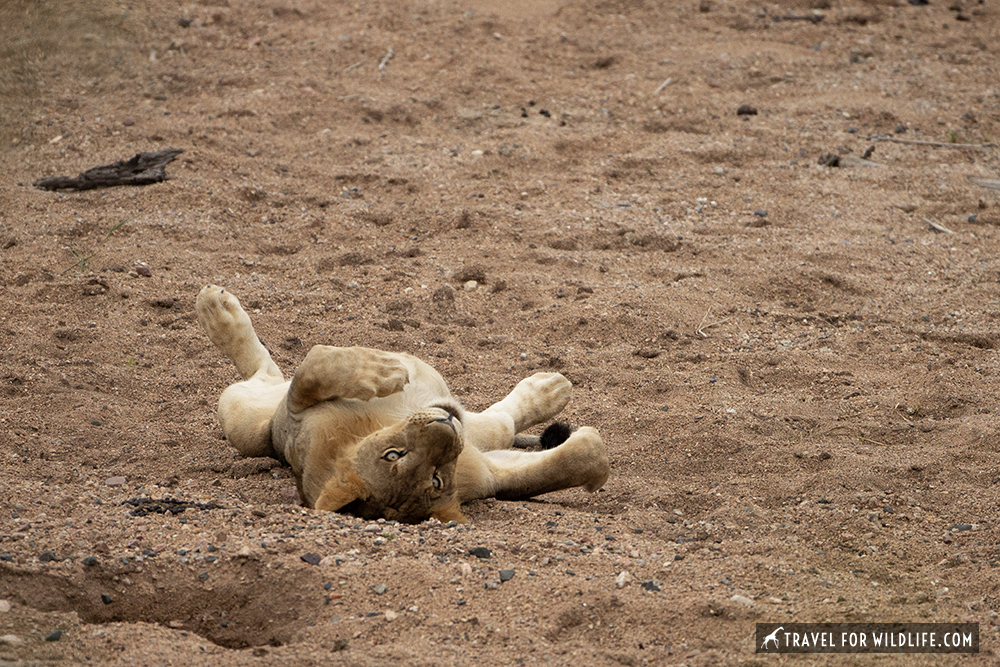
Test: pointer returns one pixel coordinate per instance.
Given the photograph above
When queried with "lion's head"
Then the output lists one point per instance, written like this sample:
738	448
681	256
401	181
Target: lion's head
405	472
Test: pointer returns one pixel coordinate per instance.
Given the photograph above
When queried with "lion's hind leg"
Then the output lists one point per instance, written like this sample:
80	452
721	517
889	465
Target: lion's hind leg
245	408
581	460
229	327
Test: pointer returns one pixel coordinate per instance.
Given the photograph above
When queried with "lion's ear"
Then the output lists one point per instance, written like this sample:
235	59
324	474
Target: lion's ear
450	511
340	491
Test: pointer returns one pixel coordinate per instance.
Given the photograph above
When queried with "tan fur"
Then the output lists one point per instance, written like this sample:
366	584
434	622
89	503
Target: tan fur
378	434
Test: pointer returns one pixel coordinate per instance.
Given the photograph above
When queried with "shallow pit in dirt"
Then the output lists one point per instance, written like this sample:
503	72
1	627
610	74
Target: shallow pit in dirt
236	604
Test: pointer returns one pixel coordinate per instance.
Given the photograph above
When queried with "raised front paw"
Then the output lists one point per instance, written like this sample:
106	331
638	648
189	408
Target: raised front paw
377	374
537	399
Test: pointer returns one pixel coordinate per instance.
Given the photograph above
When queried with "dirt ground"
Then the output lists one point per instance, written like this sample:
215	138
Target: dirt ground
794	371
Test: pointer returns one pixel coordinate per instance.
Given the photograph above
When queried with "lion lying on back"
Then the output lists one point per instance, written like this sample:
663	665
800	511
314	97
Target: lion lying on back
378	434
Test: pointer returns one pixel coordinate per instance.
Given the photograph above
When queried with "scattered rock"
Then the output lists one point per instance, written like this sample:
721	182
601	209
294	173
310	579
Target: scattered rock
47	557
623	579
471	286
311	558
506	575
742	599
4	606
958	527
481	552
652	585
115	481
11	640
54	636
143	270
746	110
379	589
390	615
106	599
90	561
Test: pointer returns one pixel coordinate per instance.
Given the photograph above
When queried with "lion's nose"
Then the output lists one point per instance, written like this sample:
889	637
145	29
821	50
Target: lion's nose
449	420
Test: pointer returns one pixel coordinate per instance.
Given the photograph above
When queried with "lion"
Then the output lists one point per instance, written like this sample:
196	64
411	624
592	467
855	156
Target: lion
378	434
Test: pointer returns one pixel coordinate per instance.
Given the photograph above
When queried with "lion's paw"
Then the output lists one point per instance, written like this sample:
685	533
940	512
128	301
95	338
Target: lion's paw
228	326
381	374
539	398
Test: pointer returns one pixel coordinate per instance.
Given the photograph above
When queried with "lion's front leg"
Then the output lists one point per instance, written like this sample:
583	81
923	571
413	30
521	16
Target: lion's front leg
581	460
346	372
534	400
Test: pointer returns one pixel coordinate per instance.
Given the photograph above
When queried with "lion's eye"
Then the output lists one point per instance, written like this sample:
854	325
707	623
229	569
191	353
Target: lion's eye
392	455
436	481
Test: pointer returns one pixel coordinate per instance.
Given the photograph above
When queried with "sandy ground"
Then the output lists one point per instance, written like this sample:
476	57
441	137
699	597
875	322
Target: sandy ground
794	372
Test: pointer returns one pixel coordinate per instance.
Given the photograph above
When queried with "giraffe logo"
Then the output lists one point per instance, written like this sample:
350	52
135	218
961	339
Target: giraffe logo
773	637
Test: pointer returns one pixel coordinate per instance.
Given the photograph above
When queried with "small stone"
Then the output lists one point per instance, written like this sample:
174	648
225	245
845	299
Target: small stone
506	575
143	270
470	286
742	599
311	558
54	636
90	561
623	579
390	615
746	110
973	217
465	569
481	552
961	527
11	640
115	481
4	606
379	589
47	557
106	599
761	213
653	585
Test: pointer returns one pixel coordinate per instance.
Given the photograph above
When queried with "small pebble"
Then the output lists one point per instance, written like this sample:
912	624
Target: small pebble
506	575
760	212
481	552
54	636
115	481
391	615
47	557
143	270
311	558
652	585
746	110
743	600
11	640
89	561
470	286
106	599
379	589
622	580
4	606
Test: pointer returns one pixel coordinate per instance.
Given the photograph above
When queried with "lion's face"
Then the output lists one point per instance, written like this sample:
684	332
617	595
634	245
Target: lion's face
409	469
